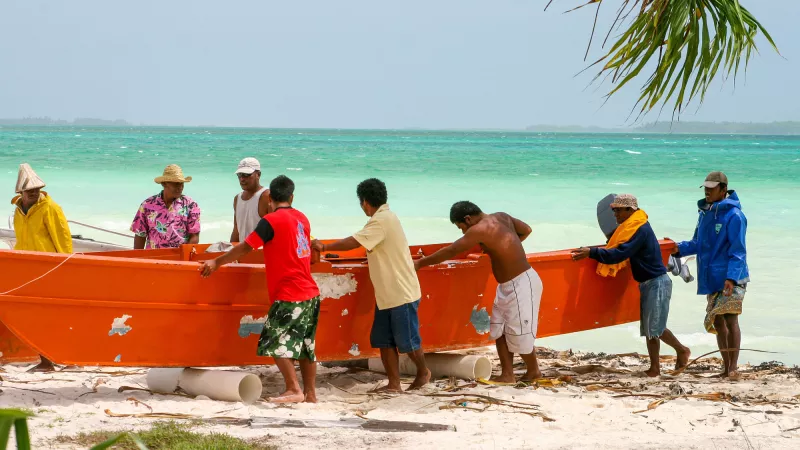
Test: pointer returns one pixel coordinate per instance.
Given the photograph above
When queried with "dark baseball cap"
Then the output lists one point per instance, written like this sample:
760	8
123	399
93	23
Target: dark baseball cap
714	179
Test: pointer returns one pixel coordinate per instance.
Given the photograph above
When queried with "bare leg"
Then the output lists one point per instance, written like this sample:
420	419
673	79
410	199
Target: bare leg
308	370
653	348
681	350
292	394
45	365
506	361
734	342
391	364
423	374
722	343
532	364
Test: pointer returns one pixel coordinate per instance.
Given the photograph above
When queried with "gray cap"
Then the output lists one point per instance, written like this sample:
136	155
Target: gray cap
714	179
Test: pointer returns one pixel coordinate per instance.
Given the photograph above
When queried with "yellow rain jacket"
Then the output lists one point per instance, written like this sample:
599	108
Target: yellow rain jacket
43	229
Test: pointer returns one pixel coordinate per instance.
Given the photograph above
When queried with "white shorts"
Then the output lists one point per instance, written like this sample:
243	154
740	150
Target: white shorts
515	313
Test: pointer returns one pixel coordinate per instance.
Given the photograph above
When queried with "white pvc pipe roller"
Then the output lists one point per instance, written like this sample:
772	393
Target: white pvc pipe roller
214	384
468	367
164	380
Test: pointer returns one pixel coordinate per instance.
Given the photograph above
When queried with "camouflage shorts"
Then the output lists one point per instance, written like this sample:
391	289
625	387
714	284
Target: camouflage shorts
290	330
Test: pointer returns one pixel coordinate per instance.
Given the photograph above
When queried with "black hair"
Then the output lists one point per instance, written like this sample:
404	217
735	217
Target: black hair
462	209
724	187
373	191
281	189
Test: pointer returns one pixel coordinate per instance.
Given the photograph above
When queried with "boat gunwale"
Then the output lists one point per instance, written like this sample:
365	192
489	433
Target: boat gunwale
9	298
324	266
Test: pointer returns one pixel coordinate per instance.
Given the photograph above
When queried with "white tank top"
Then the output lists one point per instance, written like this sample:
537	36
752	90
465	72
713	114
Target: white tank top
247	214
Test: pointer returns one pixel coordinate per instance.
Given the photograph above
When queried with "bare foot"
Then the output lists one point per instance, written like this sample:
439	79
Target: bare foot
387	390
288	397
504	378
420	381
734	375
683	358
531	376
310	397
653	372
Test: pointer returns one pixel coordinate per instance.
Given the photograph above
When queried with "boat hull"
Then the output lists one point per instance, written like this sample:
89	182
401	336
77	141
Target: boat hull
152	308
12	350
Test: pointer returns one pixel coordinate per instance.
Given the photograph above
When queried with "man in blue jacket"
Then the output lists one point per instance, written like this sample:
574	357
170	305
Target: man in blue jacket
722	275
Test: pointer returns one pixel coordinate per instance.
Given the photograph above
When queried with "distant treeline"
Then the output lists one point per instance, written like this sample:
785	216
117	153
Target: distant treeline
84	121
722	127
787	127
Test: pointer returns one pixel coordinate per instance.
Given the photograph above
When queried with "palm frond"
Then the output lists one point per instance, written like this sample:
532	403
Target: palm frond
687	41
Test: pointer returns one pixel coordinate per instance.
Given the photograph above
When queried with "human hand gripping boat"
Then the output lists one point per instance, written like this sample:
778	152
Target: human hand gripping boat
151	308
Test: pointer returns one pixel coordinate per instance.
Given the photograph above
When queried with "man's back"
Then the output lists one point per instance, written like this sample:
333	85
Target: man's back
500	240
647	262
285	236
643	251
391	268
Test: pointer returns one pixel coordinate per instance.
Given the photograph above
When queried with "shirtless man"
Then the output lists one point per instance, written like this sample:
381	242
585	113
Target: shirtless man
515	314
250	205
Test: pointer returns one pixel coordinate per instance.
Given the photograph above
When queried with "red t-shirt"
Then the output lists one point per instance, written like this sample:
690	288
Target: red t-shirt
286	237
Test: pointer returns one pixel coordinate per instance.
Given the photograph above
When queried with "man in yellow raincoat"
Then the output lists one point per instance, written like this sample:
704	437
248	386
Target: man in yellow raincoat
39	224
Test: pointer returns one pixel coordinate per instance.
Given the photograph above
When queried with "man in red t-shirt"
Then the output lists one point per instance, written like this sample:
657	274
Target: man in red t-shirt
291	323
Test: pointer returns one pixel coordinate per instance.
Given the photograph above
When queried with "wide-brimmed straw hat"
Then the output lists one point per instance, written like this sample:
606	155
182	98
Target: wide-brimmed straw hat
173	174
27	179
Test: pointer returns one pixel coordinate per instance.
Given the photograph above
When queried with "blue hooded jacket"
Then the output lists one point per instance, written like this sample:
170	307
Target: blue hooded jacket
719	245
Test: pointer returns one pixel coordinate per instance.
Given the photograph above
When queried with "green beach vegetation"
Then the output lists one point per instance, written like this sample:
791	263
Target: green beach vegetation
160	436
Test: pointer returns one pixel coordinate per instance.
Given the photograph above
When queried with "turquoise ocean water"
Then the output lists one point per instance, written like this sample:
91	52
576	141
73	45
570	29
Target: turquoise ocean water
552	181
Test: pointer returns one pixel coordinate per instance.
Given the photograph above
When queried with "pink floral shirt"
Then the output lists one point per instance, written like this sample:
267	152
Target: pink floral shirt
166	227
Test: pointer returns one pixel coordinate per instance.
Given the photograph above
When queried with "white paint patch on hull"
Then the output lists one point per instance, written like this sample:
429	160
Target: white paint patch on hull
118	326
335	286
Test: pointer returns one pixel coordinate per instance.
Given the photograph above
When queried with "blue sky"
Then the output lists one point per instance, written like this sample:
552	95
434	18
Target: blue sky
348	64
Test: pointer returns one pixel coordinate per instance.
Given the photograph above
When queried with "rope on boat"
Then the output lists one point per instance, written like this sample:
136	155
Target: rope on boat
100	229
41	276
11	227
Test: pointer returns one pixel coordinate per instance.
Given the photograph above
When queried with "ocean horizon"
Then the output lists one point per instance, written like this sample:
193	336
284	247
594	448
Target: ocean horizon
553	181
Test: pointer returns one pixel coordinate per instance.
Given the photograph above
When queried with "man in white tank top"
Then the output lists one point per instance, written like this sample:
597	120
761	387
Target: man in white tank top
250	205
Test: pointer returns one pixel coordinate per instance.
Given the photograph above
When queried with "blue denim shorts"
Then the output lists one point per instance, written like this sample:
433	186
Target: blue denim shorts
654	306
396	327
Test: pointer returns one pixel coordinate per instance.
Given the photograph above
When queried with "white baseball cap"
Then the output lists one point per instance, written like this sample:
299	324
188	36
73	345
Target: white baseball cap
248	165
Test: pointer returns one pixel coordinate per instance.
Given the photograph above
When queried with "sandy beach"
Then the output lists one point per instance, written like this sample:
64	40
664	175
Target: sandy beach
587	401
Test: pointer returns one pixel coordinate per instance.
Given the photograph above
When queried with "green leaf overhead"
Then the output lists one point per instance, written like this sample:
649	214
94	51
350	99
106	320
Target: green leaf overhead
683	42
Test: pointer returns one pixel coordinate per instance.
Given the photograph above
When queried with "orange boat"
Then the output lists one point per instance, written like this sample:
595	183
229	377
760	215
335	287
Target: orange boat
151	307
13	350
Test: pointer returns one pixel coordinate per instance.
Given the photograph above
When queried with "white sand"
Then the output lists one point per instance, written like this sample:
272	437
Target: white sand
584	417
